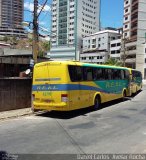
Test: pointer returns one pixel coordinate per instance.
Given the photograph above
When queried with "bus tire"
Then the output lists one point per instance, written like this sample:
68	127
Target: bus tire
124	94
97	102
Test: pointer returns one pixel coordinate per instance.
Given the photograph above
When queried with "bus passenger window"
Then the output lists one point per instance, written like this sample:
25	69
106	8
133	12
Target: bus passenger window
106	76
127	75
87	74
110	75
75	73
95	74
79	73
116	74
72	73
122	74
100	74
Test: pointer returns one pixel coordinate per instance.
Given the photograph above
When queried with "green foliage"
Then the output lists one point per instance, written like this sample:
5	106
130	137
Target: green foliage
46	46
30	40
113	62
41	53
6	39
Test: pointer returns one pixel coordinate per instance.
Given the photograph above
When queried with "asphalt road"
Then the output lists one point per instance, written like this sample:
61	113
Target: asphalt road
119	127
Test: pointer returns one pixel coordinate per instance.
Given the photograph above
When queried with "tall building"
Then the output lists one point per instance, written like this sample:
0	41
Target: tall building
71	21
11	17
134	29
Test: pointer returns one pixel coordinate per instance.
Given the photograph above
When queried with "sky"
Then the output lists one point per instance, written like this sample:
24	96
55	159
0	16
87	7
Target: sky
111	13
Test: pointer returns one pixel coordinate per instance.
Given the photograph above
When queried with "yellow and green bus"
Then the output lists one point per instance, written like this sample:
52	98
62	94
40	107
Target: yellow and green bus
136	81
71	85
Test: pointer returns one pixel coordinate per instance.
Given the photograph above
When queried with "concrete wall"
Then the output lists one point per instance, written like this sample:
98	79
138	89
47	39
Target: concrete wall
15	94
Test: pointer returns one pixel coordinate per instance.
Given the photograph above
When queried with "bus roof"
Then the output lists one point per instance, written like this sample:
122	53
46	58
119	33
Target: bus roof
80	64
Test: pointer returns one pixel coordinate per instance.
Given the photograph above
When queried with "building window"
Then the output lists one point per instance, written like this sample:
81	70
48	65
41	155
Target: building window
118	51
83	58
94	41
113	45
112	52
126	10
126	18
118	44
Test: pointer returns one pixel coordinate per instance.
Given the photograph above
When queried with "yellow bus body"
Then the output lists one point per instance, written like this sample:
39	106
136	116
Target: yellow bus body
53	90
136	81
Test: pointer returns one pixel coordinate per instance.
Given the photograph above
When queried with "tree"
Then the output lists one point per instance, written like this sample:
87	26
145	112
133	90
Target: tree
6	39
44	47
113	62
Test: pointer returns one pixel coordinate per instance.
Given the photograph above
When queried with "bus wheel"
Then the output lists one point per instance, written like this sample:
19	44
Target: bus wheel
124	95
97	102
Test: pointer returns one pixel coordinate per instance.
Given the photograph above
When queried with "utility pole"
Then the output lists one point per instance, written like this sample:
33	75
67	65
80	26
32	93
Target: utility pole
35	32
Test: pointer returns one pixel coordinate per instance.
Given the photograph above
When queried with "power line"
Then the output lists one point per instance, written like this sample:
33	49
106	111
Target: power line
42	8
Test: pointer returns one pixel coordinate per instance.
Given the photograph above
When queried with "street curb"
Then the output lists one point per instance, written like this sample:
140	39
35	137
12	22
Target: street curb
15	113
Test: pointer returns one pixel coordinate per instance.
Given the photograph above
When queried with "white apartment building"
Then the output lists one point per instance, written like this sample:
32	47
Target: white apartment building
115	49
96	47
71	21
134	29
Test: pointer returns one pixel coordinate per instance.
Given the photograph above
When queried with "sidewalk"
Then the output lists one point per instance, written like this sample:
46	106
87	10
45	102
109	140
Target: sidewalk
15	113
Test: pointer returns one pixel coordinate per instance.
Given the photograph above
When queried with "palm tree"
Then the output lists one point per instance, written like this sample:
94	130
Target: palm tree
113	62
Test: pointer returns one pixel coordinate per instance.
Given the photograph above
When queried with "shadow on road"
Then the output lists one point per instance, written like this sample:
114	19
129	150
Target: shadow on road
79	112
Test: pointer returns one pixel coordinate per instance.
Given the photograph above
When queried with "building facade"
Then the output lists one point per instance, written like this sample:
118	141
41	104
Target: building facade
96	47
134	29
71	21
115	49
11	17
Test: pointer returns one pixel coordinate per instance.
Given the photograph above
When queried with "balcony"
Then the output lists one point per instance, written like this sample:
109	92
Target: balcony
130	60
134	3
